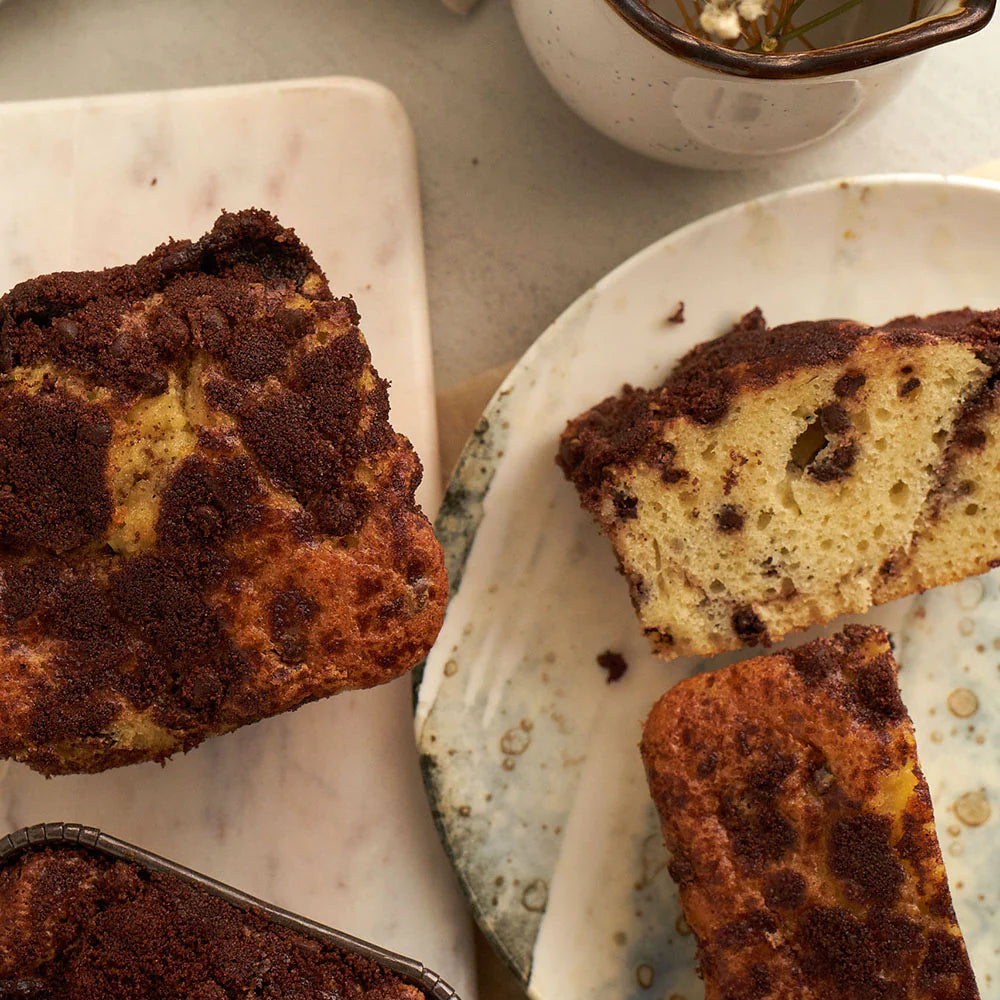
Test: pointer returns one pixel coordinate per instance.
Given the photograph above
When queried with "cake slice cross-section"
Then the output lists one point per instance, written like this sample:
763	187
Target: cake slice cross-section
802	831
781	477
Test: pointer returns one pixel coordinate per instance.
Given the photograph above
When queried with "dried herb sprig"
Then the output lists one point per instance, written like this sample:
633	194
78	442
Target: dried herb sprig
763	26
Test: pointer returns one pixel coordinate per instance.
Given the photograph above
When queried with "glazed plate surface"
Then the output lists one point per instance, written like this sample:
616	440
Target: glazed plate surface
529	754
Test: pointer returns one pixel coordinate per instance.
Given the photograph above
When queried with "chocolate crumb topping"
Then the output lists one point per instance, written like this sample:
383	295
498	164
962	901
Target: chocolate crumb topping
681	868
53	457
877	692
93	927
759	833
784	889
23	989
746	929
617	431
860	855
837	948
946	958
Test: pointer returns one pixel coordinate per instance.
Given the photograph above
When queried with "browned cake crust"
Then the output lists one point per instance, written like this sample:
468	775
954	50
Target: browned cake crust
802	830
205	516
80	927
797	420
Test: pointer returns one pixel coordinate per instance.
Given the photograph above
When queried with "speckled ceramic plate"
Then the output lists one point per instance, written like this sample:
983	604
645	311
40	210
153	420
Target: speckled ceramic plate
530	756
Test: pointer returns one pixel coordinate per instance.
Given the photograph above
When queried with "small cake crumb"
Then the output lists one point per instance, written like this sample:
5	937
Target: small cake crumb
614	664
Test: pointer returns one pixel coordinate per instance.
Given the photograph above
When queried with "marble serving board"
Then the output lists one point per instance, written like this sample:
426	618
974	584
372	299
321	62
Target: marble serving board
320	811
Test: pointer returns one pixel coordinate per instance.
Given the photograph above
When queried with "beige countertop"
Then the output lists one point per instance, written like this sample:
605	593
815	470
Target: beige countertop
524	206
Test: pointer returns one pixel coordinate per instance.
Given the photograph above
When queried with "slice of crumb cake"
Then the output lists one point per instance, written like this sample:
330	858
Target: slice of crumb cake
802	830
205	515
782	477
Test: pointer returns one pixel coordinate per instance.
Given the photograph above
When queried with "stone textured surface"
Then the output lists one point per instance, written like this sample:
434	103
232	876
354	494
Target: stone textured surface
307	810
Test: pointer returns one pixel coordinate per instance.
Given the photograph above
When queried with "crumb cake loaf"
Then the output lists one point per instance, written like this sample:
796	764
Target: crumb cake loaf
79	926
802	830
782	477
205	516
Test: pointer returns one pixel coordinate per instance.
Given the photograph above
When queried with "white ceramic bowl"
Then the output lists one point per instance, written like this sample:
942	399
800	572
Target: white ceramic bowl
663	92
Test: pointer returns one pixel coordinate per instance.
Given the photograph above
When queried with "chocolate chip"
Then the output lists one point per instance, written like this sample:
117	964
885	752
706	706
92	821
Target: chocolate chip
156	382
847	385
291	648
66	330
890	566
972	438
95	434
188	257
747	624
729	518
660	637
833	419
908	386
625	505
294	323
836	465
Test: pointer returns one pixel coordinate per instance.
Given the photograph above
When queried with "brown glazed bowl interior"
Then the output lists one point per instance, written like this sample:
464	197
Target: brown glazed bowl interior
970	17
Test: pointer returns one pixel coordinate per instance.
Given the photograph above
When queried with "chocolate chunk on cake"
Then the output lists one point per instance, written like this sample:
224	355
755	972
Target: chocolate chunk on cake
79	926
802	831
205	515
781	477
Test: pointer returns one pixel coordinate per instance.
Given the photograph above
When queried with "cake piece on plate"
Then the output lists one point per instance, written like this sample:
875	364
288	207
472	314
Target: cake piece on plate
802	831
782	477
205	516
80	927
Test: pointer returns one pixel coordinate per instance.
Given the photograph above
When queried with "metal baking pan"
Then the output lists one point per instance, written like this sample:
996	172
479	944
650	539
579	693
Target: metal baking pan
76	835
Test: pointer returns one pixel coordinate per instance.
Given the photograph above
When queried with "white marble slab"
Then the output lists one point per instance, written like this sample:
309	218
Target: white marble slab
320	811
